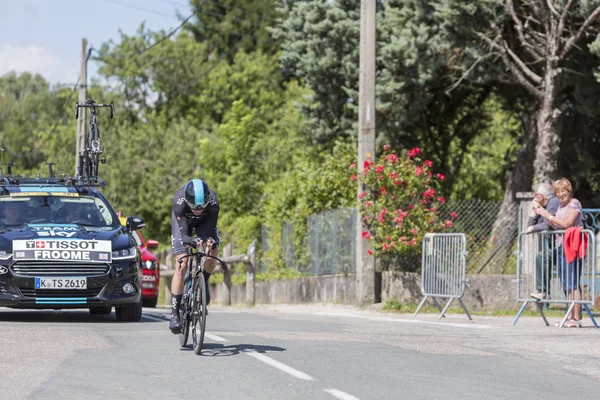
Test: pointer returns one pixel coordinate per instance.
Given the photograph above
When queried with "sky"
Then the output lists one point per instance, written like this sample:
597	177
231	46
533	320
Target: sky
45	36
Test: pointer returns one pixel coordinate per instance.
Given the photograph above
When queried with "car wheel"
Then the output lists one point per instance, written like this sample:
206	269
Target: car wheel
103	310
151	302
129	313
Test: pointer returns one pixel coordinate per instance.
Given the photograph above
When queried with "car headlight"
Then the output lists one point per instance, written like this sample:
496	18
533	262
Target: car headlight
4	255
150	264
124	254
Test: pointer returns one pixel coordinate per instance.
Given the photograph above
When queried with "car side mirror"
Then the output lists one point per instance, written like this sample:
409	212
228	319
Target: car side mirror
152	244
134	223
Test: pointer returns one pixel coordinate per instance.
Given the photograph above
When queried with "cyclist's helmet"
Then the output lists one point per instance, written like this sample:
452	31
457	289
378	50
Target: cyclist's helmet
197	195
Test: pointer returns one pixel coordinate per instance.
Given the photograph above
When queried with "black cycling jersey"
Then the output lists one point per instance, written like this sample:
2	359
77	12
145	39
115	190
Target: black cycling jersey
184	222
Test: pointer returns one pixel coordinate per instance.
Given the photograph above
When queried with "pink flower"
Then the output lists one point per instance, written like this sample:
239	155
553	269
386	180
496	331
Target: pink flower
392	158
379	169
393	175
383	190
453	215
428	163
418	171
369	252
410	207
389	239
366	235
352	166
414	152
441	200
429	192
448	224
363	194
368	204
413	231
386	147
353	177
441	177
385	246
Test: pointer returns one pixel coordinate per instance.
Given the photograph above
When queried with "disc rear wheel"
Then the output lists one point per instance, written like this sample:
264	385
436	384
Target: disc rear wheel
185	323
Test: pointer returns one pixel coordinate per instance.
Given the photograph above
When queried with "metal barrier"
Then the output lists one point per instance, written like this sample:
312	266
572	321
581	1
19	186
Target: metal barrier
545	277
443	269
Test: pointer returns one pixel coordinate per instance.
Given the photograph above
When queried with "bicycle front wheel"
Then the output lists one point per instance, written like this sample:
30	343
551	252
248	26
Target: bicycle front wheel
198	313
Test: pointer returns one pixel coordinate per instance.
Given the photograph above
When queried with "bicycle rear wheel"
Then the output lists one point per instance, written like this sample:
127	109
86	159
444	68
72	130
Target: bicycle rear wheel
198	313
184	318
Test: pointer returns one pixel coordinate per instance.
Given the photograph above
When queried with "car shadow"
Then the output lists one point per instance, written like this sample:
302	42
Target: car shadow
223	350
63	316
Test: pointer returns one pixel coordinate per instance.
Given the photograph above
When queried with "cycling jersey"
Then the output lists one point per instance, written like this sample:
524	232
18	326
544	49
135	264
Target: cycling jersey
184	222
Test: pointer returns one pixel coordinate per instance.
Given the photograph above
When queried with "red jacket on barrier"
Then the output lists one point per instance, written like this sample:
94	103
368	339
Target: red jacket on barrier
572	244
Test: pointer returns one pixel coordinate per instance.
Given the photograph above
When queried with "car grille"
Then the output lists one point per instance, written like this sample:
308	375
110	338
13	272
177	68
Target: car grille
60	293
58	269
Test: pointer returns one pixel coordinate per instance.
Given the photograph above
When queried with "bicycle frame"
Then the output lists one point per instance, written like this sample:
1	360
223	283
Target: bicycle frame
89	158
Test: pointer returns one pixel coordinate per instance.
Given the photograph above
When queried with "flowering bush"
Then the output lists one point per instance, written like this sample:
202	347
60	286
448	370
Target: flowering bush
399	205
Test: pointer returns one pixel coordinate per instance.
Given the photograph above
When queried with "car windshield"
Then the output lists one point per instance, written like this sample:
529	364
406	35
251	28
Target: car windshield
82	210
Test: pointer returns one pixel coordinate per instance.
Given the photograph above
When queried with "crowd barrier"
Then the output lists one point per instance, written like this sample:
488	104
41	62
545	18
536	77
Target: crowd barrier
443	269
544	276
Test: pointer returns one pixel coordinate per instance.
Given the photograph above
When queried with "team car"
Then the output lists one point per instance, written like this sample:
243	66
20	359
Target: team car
62	245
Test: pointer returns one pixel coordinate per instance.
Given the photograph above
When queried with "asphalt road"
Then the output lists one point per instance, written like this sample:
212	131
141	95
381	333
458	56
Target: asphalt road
296	352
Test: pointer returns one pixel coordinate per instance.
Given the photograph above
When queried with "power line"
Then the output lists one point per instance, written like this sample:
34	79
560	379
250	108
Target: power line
138	8
101	57
203	74
228	6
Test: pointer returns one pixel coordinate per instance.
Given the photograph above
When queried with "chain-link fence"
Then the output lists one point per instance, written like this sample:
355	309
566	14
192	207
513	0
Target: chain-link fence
330	238
491	233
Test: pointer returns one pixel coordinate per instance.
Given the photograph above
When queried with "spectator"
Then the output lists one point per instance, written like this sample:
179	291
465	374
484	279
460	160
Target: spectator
545	259
569	214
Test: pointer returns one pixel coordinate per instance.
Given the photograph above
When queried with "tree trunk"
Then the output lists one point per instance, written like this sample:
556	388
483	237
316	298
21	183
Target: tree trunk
548	143
504	230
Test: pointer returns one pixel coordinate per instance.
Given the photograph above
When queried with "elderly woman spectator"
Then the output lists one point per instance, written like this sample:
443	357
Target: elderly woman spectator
569	214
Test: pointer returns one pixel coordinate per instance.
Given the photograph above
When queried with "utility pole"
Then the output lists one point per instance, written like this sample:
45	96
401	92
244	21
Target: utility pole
365	263
79	139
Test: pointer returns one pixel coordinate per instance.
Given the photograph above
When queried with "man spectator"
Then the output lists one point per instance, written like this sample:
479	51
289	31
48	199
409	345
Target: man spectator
544	260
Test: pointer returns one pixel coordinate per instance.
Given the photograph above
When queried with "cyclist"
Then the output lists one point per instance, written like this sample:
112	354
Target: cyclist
195	210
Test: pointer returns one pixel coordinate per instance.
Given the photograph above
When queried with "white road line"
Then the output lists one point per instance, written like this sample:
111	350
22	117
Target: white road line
409	321
282	367
338	394
215	337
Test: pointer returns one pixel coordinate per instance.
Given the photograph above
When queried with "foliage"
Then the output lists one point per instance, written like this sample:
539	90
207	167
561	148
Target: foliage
317	182
400	203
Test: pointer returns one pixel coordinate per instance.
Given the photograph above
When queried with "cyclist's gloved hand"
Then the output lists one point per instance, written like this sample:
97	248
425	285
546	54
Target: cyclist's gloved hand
197	242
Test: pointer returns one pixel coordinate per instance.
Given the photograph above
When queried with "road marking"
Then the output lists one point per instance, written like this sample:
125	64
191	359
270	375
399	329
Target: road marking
340	395
409	321
282	367
215	337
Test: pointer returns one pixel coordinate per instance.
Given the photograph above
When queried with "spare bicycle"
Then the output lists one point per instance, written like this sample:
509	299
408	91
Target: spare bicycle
192	310
90	155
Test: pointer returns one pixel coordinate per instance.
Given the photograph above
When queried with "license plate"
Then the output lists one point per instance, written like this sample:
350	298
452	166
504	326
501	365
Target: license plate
61	283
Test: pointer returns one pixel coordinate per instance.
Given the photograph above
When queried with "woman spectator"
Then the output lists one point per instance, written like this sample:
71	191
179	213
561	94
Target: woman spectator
568	215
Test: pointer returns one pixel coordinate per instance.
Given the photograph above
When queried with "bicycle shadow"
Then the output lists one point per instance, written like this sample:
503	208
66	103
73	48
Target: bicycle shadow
223	350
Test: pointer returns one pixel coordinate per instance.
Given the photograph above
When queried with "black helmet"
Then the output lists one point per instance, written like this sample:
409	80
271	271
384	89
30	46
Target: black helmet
197	195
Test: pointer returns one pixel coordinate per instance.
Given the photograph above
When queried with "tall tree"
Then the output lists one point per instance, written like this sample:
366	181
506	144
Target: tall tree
533	42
